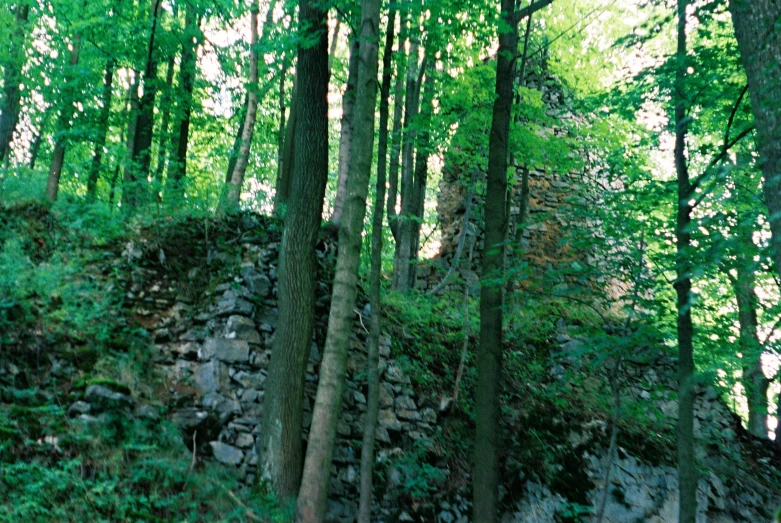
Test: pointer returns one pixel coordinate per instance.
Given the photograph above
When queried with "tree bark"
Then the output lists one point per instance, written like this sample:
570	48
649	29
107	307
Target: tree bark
489	362
133	189
133	106
35	148
760	50
398	112
288	156
346	137
100	143
280	445
177	174
12	77
373	359
421	172
401	260
164	137
281	129
312	498
234	155
687	472
63	123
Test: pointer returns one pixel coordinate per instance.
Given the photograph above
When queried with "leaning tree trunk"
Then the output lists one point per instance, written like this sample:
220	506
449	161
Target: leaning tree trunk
134	189
12	77
312	498
178	172
281	127
35	148
63	122
164	137
395	146
280	445
373	359
489	363
346	137
687	472
760	48
401	273
100	143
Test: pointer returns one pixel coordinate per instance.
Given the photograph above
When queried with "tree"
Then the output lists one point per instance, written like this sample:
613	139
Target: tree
373	378
687	471
280	446
164	136
186	81
346	136
398	113
312	497
133	188
9	108
755	31
63	122
489	364
100	143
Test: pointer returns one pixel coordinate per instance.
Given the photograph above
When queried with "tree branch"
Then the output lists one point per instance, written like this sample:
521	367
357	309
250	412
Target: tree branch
531	9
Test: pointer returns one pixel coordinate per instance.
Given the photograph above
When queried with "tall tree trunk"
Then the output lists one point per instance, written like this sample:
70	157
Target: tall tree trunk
401	260
312	497
164	137
280	445
755	29
346	137
233	193
134	190
687	472
234	155
398	113
281	128
421	172
63	122
186	81
373	359
288	155
125	136
12	77
133	107
100	143
489	362
35	148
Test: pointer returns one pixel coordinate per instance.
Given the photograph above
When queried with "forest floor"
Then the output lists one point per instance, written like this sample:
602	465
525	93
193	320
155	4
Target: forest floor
66	327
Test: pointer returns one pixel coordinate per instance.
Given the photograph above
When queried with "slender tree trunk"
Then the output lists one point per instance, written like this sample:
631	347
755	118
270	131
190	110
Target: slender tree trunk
281	128
372	365
346	137
35	148
133	107
237	176
312	497
234	155
164	138
12	77
100	143
280	445
186	83
63	123
125	136
760	48
134	189
288	155
398	112
489	362
421	172
687	472
401	260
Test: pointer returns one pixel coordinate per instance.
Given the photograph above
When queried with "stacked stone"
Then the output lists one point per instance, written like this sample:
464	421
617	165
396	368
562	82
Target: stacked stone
216	358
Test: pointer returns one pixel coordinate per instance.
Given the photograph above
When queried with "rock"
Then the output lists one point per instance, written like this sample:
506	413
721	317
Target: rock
189	418
242	328
405	403
256	380
78	408
103	398
225	453
229	351
231	303
404	516
148	412
224	407
258	284
245	440
188	350
429	416
211	376
386	395
394	374
388	420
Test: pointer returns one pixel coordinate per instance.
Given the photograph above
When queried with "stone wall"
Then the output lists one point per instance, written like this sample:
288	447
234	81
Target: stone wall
215	357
